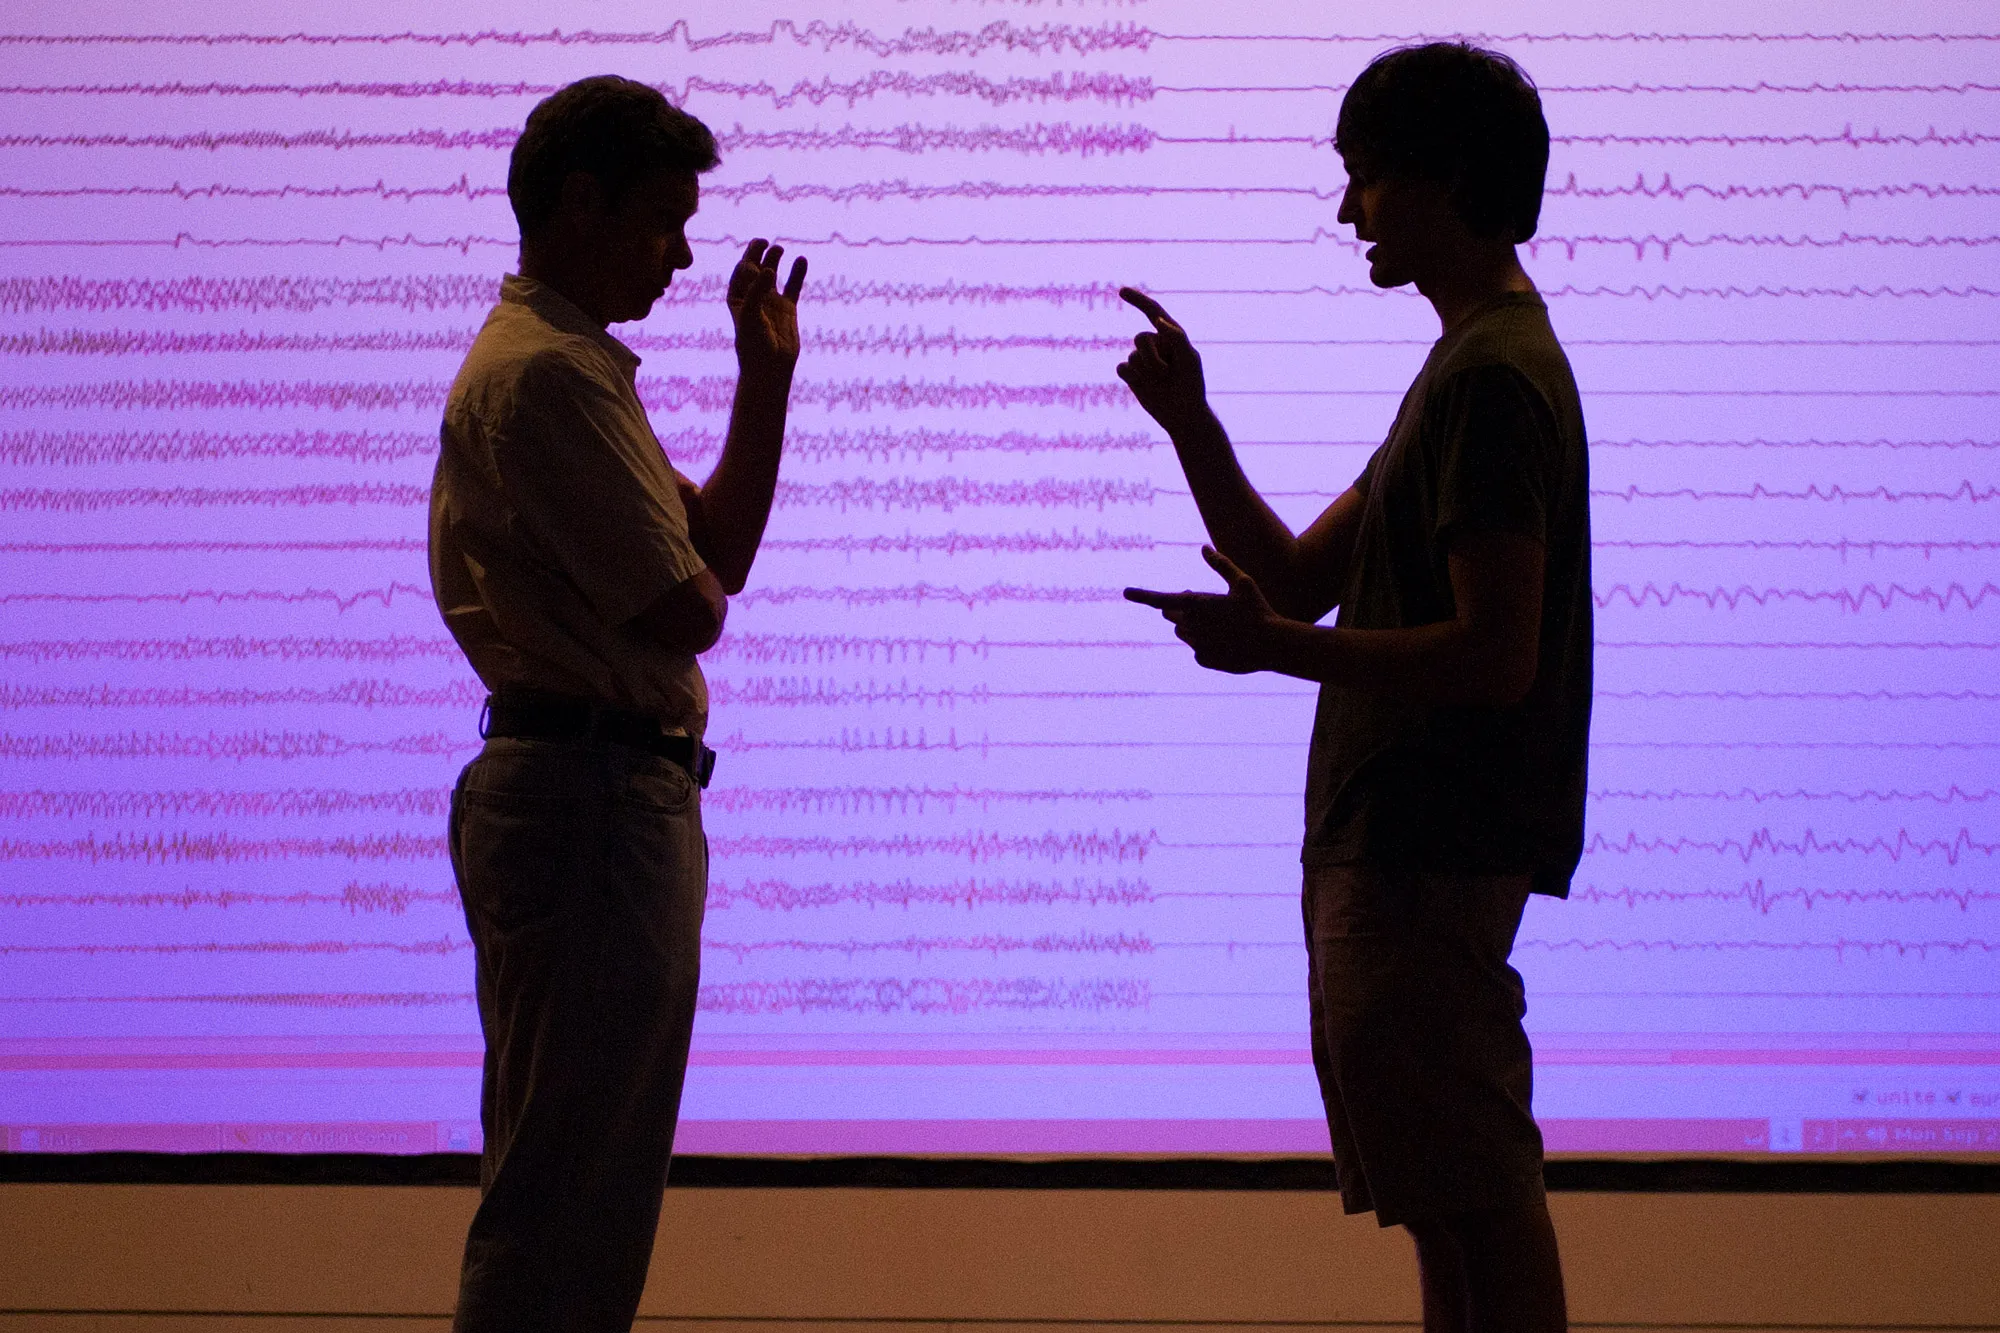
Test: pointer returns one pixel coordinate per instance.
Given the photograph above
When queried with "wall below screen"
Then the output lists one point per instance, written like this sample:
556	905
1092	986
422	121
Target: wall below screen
147	1259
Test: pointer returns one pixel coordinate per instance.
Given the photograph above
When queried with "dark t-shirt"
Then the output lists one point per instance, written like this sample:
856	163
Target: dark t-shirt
1489	439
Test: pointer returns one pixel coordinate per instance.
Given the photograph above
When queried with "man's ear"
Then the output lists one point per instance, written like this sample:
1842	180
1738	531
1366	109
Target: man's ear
582	197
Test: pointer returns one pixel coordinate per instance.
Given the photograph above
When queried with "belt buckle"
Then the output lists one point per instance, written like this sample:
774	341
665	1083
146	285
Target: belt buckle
704	764
485	717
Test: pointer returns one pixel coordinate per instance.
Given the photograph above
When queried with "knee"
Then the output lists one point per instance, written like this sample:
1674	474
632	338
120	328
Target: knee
1362	1029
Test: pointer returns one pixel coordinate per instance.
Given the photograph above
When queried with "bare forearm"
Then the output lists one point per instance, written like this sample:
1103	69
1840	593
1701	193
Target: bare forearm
1239	521
736	498
1446	664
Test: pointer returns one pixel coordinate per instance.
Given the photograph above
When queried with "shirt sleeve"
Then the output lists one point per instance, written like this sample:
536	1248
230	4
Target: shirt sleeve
1496	443
584	476
1366	480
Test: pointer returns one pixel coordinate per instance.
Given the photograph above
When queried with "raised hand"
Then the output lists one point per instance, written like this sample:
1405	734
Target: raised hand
1164	370
1229	631
767	320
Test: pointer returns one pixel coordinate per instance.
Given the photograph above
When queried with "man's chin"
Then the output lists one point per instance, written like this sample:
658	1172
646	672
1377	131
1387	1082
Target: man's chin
1383	276
638	310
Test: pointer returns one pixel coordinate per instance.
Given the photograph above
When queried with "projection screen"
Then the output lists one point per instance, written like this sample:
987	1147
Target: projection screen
996	868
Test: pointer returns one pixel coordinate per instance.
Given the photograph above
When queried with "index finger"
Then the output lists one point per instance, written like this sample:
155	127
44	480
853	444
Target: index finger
1169	601
1151	309
754	252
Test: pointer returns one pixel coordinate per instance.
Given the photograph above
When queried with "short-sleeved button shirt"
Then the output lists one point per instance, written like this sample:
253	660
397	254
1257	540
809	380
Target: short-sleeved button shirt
1489	438
555	517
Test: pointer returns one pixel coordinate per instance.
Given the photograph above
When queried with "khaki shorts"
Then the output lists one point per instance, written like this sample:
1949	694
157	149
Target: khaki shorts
1417	1040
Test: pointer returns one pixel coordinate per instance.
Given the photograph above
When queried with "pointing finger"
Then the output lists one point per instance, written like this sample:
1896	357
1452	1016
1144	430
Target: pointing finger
1151	309
754	252
1172	605
796	283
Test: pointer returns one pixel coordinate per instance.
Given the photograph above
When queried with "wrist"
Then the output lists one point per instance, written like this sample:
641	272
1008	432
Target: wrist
765	374
1295	648
1197	428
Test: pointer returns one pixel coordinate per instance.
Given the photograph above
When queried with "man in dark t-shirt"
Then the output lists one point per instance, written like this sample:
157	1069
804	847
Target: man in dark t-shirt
1446	776
1489	440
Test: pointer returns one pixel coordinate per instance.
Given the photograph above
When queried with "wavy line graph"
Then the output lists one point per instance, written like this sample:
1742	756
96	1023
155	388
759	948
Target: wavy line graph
384	597
1764	900
1880	598
236	648
285	803
670	393
355	898
76	501
923	996
464	292
680	32
905	340
1040	39
1114	847
922	946
1961	846
1943	797
697	444
443	947
367	694
1965	491
243	266
900	800
782	895
223	849
239	746
1839	948
952	493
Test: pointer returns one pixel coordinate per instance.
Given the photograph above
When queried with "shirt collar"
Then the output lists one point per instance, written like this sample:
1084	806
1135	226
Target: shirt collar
562	314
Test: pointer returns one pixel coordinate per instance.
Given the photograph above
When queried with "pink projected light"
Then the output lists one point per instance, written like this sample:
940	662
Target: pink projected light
996	868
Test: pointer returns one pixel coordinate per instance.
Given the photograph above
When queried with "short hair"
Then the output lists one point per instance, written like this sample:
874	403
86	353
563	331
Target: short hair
614	128
1460	115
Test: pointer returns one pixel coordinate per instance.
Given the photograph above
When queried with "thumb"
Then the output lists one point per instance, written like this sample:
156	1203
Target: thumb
1226	567
1223	565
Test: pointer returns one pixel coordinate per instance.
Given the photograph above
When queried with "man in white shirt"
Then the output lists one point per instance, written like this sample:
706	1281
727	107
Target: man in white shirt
580	573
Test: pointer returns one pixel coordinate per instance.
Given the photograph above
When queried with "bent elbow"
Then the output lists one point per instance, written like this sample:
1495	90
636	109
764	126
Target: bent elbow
706	626
1510	680
688	618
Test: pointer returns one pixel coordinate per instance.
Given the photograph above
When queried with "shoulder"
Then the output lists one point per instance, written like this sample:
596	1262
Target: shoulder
1509	352
1516	334
516	358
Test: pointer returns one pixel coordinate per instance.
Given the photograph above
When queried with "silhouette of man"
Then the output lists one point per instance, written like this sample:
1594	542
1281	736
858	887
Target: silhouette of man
580	573
1446	776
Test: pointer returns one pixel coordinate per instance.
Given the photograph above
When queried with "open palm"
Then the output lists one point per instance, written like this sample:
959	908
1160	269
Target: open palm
767	319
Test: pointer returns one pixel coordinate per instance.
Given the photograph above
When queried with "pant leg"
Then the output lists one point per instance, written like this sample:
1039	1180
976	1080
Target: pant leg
583	872
1324	988
1417	1039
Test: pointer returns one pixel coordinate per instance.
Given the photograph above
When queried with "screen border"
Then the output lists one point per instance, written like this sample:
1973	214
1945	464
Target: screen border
1743	1175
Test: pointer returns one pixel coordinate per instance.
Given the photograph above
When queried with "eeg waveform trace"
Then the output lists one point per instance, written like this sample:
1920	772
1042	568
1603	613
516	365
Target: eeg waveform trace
990	855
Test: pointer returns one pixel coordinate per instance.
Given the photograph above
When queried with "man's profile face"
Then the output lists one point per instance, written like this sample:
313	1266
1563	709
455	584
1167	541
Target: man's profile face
640	242
1409	221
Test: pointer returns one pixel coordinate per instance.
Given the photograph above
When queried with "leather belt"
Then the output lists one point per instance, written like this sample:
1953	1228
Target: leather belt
540	715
